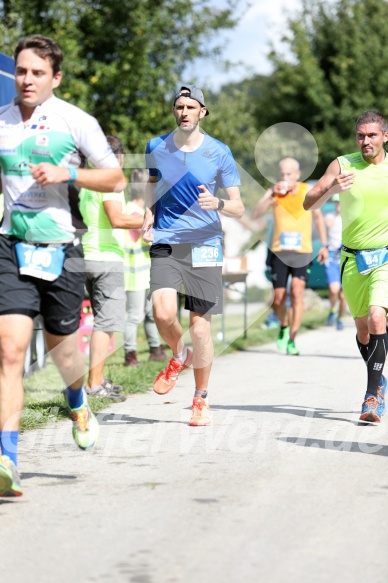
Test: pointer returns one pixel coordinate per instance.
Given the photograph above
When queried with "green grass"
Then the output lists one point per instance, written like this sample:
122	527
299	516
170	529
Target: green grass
43	398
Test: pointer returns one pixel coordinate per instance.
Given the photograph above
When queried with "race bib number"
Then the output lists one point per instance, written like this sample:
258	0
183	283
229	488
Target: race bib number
41	262
369	260
206	255
291	241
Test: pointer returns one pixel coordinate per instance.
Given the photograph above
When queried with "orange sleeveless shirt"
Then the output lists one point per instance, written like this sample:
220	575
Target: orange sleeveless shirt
292	224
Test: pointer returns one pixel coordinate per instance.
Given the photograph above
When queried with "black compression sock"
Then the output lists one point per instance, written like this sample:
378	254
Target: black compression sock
377	353
363	348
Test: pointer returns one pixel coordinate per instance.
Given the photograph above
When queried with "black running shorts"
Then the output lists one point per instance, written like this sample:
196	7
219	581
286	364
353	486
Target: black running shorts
59	301
285	263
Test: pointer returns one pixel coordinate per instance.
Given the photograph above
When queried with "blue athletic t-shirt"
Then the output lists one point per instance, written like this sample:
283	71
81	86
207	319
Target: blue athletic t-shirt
178	216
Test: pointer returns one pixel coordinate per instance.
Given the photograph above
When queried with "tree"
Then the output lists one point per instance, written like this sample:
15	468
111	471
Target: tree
122	59
337	70
232	121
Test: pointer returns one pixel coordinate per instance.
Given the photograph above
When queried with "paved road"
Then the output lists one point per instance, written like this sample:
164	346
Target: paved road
285	486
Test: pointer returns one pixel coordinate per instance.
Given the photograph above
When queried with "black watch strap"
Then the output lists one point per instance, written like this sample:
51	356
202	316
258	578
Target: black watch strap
221	204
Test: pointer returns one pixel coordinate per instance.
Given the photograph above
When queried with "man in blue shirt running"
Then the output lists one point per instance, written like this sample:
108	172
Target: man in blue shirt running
187	168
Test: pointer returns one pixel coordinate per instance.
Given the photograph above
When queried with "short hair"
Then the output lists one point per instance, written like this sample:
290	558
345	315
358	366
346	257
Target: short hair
44	47
116	144
372	116
138	180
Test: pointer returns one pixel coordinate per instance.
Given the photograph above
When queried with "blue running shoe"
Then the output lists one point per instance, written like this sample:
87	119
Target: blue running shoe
9	478
340	325
85	424
373	408
382	388
270	322
269	325
331	318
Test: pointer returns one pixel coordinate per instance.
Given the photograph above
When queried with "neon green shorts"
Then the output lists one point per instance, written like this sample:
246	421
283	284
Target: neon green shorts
362	291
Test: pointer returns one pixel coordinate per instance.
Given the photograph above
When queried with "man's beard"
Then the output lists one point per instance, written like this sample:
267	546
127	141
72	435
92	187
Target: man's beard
190	127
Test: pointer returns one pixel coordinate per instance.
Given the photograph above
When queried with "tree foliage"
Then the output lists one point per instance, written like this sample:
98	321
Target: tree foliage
122	59
232	121
336	71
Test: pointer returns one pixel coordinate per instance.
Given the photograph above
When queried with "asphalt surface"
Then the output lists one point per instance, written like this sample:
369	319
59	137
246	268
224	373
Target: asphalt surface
285	486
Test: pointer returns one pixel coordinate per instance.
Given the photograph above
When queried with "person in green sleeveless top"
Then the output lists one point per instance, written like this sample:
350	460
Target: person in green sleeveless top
361	180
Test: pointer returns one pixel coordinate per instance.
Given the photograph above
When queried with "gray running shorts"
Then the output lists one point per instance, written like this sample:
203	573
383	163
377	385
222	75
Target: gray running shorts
171	268
105	285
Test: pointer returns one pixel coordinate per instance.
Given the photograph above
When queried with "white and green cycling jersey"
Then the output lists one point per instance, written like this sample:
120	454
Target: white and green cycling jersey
58	133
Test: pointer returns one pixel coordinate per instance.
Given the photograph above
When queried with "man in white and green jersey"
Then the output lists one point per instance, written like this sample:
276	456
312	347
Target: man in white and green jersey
44	146
361	178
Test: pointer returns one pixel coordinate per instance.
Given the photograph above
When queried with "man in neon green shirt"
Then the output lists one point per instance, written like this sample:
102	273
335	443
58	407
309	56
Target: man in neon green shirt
361	179
104	264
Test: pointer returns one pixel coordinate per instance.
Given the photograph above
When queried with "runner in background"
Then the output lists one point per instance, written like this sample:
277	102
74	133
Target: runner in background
337	300
291	248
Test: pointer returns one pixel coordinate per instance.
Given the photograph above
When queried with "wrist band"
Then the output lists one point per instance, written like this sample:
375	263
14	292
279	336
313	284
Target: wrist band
73	174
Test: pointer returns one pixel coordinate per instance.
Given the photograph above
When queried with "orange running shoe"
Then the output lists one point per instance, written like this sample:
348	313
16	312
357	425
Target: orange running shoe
201	412
167	378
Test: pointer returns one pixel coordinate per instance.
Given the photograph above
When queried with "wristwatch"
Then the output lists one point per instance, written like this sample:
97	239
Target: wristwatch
221	204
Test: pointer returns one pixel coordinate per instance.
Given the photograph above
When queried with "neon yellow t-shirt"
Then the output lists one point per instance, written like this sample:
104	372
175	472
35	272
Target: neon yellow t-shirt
101	242
364	208
137	262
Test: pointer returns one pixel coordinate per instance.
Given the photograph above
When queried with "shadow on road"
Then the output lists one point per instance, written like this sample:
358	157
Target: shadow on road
327	414
302	355
112	419
28	475
342	446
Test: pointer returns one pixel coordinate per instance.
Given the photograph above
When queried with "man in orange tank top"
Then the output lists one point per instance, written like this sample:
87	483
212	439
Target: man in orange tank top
291	247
